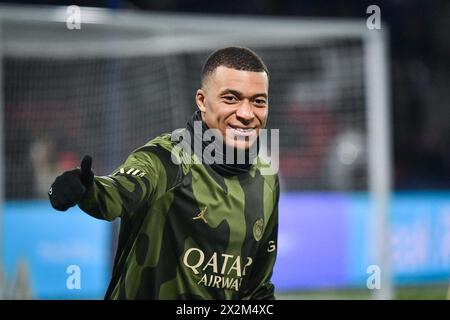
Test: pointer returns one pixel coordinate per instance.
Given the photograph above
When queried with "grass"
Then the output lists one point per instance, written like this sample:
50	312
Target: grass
437	291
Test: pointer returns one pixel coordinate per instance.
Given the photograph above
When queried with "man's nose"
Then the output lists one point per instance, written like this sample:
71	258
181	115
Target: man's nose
245	112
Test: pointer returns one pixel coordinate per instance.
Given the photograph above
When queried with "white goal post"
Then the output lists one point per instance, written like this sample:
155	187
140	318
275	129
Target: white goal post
131	35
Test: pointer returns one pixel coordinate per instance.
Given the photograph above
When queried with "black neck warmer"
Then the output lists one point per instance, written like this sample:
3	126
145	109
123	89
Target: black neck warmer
223	168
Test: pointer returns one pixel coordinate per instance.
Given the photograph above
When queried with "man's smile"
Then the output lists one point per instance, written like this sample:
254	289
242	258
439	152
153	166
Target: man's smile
241	131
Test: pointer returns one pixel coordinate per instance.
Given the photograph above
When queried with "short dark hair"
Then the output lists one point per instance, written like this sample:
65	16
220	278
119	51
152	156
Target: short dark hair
238	58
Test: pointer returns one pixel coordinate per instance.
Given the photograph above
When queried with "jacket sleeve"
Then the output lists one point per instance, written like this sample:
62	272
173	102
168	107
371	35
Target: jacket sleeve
260	286
125	190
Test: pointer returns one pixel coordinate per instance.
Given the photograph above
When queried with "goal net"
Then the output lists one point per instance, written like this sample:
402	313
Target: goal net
124	78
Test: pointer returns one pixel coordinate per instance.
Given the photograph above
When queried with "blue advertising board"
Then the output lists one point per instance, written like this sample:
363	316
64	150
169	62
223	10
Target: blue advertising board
53	246
326	239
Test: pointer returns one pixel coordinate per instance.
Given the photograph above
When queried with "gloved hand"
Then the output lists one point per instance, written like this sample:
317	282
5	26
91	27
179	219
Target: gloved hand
69	187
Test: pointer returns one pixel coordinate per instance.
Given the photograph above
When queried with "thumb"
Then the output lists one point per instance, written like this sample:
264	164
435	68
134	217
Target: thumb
86	165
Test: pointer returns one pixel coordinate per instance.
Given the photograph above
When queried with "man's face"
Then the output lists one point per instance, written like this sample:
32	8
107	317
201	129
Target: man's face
236	103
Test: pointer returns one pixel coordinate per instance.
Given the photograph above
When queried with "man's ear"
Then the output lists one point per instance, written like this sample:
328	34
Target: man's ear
200	100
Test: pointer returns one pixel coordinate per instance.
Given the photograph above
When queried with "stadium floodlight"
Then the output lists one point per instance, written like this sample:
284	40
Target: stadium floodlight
125	77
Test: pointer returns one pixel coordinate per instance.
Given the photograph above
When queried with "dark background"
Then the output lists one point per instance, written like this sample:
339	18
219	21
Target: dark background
420	46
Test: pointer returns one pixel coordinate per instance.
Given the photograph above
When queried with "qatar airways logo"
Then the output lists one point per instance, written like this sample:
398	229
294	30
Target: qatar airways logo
209	148
222	271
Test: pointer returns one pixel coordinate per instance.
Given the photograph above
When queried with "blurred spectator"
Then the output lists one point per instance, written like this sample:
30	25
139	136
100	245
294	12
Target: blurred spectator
47	164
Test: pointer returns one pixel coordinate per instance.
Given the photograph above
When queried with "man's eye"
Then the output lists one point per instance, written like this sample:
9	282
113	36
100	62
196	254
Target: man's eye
230	98
260	101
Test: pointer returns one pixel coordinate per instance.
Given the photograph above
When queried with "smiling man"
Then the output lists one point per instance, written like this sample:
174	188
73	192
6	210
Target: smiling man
189	229
234	100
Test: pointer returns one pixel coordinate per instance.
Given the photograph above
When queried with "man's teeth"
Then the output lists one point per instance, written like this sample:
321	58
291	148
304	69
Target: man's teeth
243	130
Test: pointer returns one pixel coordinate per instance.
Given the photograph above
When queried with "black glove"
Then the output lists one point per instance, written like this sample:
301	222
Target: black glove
69	188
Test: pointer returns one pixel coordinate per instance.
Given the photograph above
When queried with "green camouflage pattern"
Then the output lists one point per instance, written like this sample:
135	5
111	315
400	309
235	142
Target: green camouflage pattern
187	232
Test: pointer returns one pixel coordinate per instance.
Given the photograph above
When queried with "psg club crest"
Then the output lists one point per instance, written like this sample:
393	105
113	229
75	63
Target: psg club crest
258	229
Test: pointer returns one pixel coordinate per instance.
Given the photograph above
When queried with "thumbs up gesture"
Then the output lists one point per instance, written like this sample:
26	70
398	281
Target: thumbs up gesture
69	187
